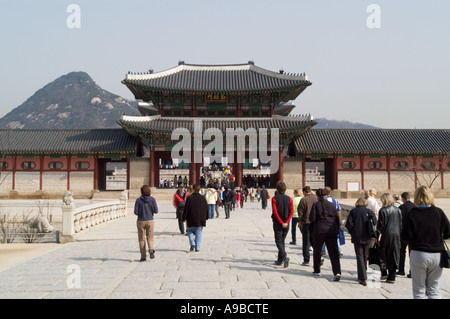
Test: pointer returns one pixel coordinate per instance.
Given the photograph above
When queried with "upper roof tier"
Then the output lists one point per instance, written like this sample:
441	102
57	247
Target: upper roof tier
231	78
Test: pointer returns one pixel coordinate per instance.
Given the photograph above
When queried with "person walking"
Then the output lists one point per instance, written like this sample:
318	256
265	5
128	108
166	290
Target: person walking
324	227
389	226
304	209
179	200
357	226
211	199
227	199
282	211
338	208
145	207
405	208
195	215
425	228
372	200
296	201
264	194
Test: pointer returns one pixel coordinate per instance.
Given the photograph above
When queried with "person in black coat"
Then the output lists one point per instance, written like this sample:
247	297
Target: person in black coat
324	227
195	214
389	226
264	194
404	208
357	226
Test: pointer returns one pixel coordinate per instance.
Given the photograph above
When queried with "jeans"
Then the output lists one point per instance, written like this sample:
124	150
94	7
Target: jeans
211	210
294	229
195	236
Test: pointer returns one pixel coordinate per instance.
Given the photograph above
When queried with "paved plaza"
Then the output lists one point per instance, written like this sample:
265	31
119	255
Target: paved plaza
236	260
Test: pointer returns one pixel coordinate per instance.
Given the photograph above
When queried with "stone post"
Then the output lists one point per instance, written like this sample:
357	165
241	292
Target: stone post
124	199
68	208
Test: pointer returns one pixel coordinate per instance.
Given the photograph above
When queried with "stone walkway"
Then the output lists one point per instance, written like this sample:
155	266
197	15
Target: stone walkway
236	260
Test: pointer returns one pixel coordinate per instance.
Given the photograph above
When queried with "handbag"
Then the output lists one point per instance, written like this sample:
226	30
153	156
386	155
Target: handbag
341	237
371	227
445	256
376	256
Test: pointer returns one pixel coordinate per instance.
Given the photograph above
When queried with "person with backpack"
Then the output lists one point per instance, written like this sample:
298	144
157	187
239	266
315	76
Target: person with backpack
145	207
179	201
227	199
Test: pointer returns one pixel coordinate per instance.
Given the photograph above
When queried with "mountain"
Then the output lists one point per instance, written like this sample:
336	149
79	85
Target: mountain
323	123
72	101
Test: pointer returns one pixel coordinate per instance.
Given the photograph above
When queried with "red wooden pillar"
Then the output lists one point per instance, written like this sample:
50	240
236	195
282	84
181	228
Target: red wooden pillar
280	165
69	167
128	172
239	173
193	169
303	171
388	164
41	171
152	168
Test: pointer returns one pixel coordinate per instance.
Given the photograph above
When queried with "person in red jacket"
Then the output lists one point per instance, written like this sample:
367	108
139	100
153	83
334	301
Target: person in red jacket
179	201
282	211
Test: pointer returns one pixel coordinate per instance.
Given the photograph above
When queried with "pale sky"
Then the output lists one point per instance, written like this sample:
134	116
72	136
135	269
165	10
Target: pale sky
396	75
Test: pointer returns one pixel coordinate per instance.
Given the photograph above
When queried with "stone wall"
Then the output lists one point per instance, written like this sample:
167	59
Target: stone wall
139	172
292	173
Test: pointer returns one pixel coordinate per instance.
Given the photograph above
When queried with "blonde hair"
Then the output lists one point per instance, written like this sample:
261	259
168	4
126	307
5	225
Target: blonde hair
296	191
387	199
361	202
423	196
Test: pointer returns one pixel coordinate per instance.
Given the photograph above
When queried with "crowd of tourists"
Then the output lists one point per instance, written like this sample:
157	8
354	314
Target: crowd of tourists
381	232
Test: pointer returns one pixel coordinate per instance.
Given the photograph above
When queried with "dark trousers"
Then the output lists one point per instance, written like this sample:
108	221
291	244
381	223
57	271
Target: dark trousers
306	242
180	212
333	252
362	254
227	208
280	234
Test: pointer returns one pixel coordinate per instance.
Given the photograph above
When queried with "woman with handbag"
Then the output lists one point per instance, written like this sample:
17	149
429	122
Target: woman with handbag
389	226
425	228
357	224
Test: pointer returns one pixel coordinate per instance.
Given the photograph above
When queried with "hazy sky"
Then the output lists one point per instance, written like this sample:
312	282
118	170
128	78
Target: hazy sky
396	75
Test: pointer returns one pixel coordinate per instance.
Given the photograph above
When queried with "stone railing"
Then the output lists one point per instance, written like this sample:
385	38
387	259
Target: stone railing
75	220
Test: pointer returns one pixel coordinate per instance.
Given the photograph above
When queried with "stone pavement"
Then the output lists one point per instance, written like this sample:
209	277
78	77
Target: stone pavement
236	260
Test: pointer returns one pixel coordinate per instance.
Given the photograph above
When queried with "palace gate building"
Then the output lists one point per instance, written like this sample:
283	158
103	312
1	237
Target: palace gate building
194	109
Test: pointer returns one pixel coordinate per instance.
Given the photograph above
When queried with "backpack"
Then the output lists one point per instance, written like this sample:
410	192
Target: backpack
227	196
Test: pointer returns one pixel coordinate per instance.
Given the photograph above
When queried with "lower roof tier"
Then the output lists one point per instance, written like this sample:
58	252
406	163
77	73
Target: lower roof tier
158	124
383	141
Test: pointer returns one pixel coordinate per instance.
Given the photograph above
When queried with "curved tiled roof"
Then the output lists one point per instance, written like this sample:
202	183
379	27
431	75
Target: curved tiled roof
216	78
168	124
67	141
374	141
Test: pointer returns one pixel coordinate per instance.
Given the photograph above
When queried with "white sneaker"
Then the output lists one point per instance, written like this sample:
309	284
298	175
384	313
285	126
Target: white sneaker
317	274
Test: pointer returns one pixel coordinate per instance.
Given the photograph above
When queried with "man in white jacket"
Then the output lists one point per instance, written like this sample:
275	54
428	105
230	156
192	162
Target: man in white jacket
372	201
